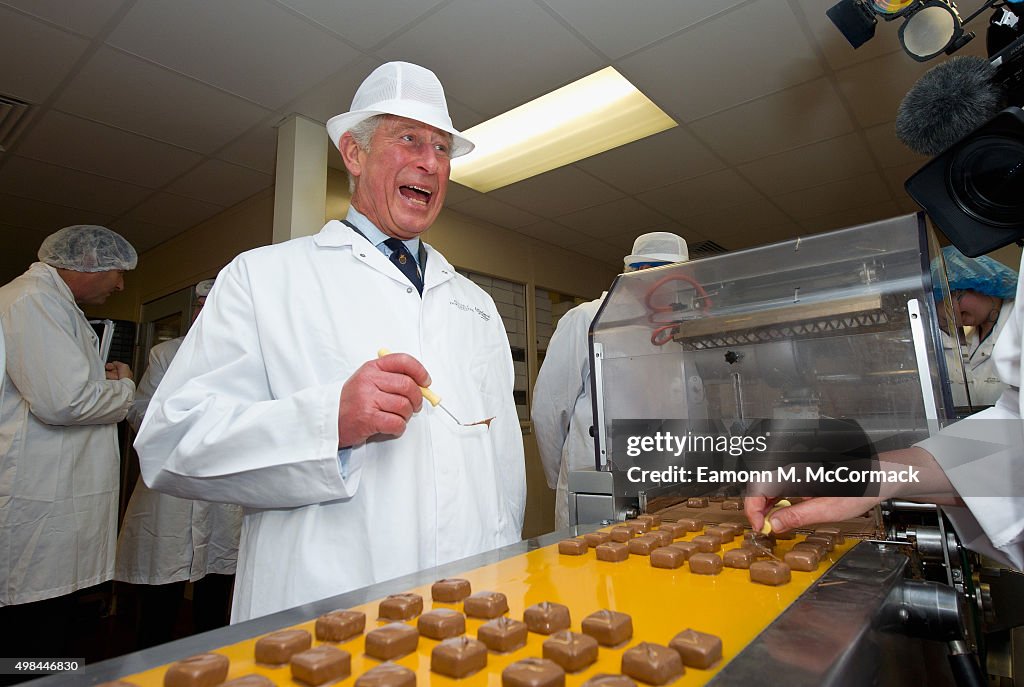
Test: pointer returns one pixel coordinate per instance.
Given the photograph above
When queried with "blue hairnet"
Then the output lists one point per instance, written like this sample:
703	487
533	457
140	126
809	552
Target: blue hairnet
87	248
983	274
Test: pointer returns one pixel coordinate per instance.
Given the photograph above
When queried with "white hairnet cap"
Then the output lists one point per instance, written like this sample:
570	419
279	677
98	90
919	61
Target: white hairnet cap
88	248
658	246
203	288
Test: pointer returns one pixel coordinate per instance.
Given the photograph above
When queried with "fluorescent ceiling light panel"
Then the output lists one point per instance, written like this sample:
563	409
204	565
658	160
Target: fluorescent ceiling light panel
597	113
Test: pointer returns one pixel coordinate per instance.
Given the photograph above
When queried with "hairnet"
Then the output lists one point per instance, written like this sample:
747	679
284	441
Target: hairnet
87	248
658	246
983	274
203	288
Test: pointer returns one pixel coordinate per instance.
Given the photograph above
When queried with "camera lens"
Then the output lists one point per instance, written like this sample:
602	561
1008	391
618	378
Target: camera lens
986	180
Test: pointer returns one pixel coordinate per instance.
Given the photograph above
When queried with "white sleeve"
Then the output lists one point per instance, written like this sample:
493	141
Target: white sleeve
155	370
559	383
214	430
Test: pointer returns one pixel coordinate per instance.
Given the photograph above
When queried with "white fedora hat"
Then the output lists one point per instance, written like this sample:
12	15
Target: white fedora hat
405	90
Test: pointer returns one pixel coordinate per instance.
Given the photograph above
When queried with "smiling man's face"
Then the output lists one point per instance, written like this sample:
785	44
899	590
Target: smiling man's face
402	180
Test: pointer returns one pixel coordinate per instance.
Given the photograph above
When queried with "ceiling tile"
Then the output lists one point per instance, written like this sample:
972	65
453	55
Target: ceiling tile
489	209
699	196
557	192
49	183
256	149
82	17
851	217
653	162
364	28
604	252
625	215
888	149
34	57
253	49
788	119
737	219
61	139
896	177
143	235
865	190
518	52
818	163
556	234
334	95
457	193
617	28
123	91
875	88
763	236
749	52
220	183
33	214
175	212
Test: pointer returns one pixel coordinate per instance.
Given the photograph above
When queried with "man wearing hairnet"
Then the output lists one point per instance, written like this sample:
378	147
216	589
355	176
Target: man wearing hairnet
281	400
562	413
166	542
59	406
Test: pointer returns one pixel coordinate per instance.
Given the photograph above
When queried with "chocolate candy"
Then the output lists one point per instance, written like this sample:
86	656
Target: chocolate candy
771	573
401	606
639	526
650	518
697	649
837	536
571	650
622	533
817	547
547	617
321	664
454	590
676	529
707	543
738	558
826	540
609	680
687	547
278	647
595	538
609	628
533	672
503	634
458	657
732	504
441	623
250	680
652	663
391	641
643	545
614	552
784	535
757	540
697	502
691	524
204	670
337	626
662	537
804	560
705	563
486	604
668	557
572	547
716	498
387	675
724	534
735	527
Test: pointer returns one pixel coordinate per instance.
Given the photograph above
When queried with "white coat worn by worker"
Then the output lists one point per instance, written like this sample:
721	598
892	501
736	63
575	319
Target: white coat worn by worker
562	410
983	378
163	538
248	413
991	524
58	444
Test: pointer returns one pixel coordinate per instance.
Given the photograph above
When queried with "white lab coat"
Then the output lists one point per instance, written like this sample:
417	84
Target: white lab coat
248	413
982	376
58	444
163	538
992	525
562	411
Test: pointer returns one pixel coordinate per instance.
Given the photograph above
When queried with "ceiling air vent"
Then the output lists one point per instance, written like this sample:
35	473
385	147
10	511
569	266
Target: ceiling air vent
705	249
14	116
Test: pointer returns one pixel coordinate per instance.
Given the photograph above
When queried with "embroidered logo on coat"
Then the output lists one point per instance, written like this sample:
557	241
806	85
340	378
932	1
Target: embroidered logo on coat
486	317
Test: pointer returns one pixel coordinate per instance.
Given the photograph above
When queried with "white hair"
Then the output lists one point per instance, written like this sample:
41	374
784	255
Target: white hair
362	133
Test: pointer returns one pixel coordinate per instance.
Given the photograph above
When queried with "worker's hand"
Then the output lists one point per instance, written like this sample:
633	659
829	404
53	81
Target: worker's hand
808	512
380	398
118	370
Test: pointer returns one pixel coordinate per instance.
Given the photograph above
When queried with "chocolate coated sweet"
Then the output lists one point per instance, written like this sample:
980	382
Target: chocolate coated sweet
707	543
705	563
772	573
650	518
697	502
732	504
691	524
663	537
454	590
321	664
547	617
622	533
725	534
250	680
668	557
837	536
441	623
697	649
613	552
640	526
387	675
804	560
486	604
643	545
571	650
687	547
816	547
759	541
503	634
738	558
337	626
652	663
573	547
533	672
609	680
609	628
204	670
676	529
594	539
826	540
278	647
391	641
401	607
458	657
735	527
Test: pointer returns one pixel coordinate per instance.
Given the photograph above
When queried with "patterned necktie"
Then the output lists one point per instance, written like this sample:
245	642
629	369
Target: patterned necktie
404	261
